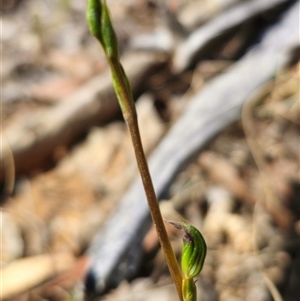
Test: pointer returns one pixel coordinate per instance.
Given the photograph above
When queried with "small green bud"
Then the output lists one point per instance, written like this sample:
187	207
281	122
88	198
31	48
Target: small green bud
100	25
109	37
93	15
194	250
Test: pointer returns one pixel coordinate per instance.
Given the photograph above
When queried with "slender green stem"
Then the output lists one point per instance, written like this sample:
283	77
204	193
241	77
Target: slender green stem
130	117
100	25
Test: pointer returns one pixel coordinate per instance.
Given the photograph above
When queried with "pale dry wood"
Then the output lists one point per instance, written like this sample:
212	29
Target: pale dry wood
23	274
64	284
12	245
204	39
196	13
116	250
34	138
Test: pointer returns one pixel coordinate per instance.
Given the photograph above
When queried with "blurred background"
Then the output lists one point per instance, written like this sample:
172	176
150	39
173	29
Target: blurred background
67	160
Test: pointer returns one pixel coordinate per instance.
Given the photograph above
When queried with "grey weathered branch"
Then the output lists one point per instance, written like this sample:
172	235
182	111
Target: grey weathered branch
204	39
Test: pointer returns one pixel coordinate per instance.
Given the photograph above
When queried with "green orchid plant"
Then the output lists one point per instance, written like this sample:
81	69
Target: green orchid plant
194	247
192	258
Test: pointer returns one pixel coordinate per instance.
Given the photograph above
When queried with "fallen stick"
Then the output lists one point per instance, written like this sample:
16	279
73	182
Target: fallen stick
116	250
196	13
204	39
34	138
23	274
